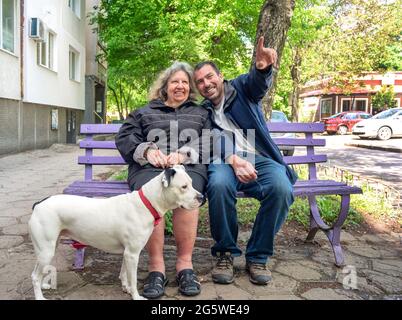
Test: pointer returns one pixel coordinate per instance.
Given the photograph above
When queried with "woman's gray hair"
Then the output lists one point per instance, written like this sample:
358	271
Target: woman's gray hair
159	87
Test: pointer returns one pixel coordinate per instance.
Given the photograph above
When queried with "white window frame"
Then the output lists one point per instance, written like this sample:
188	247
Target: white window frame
14	27
75	6
341	105
352	105
50	53
361	99
320	105
74	75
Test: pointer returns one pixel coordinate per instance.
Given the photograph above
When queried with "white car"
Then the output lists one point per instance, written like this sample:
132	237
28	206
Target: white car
279	116
383	125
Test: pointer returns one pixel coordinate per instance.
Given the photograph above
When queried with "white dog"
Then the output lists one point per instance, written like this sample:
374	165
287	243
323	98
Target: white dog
121	224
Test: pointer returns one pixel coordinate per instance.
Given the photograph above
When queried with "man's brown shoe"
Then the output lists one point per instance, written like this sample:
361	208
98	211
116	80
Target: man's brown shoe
258	273
223	271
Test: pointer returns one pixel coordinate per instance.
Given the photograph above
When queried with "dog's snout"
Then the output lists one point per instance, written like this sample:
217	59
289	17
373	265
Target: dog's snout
200	197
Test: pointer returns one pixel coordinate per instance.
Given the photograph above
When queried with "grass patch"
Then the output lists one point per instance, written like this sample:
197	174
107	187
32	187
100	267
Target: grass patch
370	202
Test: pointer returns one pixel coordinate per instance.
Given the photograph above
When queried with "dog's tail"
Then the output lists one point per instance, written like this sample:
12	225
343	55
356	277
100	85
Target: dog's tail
36	203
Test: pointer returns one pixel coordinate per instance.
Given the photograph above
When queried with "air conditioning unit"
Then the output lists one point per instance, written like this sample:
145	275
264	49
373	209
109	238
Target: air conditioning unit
36	29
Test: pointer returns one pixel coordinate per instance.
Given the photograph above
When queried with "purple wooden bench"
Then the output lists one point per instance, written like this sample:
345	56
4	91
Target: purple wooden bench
303	188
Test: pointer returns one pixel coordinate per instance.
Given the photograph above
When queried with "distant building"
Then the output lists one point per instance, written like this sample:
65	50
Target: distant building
95	74
319	101
43	65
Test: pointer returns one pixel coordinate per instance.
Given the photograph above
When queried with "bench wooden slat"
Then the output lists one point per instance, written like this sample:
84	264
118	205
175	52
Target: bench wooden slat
98	160
305	159
91	144
97	184
95	192
317	183
299	142
295	127
99	128
334	190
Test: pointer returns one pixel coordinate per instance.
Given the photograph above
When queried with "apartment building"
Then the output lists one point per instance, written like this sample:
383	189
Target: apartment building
43	60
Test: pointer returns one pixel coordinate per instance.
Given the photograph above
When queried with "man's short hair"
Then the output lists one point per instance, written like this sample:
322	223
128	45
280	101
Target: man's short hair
209	63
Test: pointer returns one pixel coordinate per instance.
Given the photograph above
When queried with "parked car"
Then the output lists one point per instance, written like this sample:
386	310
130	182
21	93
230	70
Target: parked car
279	116
343	122
383	125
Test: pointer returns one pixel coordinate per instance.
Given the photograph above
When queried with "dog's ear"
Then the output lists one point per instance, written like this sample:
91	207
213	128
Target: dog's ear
167	177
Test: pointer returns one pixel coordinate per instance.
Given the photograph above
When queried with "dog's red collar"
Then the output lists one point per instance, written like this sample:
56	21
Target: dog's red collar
149	206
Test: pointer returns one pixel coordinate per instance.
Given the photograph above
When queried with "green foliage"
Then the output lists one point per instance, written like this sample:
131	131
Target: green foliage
383	99
144	37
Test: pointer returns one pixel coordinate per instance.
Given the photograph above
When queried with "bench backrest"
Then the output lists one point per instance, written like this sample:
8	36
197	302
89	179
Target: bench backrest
307	140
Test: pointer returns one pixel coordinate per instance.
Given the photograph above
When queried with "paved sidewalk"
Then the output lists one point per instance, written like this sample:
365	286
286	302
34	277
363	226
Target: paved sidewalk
300	271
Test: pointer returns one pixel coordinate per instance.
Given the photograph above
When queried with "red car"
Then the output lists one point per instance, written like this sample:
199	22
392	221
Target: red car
343	122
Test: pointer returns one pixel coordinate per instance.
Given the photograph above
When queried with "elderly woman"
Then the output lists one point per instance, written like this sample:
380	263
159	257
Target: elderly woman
157	136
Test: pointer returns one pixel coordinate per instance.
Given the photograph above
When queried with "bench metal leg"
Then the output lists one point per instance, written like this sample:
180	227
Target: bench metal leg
333	233
79	255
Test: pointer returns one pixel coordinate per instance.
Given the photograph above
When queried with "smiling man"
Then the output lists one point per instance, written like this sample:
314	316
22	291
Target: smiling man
236	106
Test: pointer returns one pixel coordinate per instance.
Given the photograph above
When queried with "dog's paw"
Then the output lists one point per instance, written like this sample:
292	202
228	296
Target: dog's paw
46	286
140	298
126	289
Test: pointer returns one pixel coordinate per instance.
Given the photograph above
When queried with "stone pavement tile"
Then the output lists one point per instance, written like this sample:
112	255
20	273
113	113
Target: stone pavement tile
98	292
11	211
294	253
389	267
7	221
329	270
24	251
231	292
10	241
389	284
324	294
297	271
17	229
64	258
390	252
24	219
280	284
9	292
372	238
3	256
66	282
364	251
16	270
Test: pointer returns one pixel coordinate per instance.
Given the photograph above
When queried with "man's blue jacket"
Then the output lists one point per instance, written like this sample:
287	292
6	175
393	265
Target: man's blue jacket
243	97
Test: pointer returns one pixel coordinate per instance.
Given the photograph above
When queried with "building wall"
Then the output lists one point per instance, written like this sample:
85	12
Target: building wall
69	32
25	121
26	126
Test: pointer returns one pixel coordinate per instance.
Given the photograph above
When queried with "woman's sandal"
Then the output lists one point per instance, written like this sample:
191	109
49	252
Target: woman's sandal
188	283
155	284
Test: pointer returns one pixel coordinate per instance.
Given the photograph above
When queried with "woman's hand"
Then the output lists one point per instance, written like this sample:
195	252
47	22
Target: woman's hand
157	158
175	158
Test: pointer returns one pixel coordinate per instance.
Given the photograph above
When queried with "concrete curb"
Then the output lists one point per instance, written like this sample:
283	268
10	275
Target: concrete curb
374	147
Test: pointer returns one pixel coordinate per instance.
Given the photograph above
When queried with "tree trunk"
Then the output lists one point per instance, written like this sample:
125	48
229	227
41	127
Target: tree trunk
295	73
273	24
